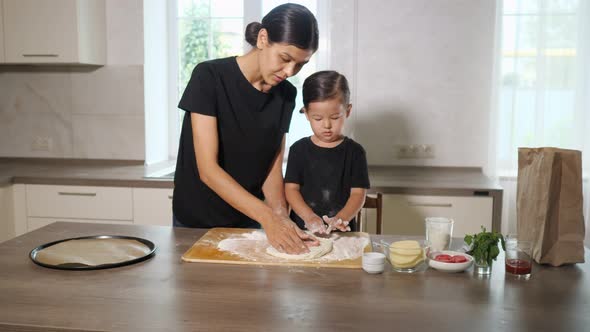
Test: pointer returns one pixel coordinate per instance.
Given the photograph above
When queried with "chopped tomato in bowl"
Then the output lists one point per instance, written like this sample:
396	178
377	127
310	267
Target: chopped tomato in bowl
450	261
444	258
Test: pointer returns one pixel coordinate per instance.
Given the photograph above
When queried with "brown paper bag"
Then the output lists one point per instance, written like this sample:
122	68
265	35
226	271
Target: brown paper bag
549	204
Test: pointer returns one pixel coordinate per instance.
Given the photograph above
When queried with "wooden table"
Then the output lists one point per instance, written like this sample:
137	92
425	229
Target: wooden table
167	294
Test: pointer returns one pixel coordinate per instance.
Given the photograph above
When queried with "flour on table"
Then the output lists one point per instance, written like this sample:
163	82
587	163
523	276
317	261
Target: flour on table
253	247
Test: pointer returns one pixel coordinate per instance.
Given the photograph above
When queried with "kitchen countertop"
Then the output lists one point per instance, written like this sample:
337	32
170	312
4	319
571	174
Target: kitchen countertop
133	174
108	173
410	180
388	178
167	294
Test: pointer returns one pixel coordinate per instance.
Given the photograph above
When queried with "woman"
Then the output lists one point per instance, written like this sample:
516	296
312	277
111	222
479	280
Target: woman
238	111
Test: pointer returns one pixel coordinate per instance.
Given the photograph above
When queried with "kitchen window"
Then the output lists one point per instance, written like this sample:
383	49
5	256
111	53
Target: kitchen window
201	30
542	87
543	74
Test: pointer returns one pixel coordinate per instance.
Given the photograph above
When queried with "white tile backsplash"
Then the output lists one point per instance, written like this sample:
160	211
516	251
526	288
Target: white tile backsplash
115	90
35	103
18	131
61	103
30	90
108	136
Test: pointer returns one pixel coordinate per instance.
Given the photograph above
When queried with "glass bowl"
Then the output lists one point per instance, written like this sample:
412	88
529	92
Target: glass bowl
406	255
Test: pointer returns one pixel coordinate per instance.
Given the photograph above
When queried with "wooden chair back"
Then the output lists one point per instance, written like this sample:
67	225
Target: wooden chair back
372	202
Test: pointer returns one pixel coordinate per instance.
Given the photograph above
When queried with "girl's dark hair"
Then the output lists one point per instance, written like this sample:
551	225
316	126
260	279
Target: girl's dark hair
325	85
289	23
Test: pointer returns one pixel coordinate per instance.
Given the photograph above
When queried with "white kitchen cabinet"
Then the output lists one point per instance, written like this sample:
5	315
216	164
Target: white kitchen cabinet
34	223
405	214
19	208
6	213
152	206
13	219
54	32
79	202
46	204
1	32
26	207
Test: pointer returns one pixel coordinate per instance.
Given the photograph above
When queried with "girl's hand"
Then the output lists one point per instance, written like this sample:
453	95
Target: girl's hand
337	223
315	225
284	235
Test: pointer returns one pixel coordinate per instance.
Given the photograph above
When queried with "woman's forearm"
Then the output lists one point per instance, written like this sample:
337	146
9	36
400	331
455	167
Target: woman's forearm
273	188
206	146
234	194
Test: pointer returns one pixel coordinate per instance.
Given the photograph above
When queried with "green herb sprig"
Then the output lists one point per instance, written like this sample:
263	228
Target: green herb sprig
485	245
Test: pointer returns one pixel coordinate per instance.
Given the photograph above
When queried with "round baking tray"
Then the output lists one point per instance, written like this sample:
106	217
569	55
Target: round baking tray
79	266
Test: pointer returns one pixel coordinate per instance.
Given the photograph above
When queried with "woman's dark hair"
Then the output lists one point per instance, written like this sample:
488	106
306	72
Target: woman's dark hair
325	85
289	23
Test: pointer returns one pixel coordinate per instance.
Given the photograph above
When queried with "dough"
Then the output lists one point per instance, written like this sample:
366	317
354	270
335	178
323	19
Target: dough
324	248
92	252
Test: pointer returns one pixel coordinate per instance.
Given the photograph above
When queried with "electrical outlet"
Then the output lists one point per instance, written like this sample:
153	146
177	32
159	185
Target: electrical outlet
414	151
402	151
42	143
426	151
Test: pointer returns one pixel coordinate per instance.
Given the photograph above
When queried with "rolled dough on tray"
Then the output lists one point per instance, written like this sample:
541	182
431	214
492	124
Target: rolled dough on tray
92	252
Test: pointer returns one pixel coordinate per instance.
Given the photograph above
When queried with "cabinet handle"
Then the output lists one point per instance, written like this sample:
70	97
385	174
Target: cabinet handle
170	196
431	204
62	193
40	55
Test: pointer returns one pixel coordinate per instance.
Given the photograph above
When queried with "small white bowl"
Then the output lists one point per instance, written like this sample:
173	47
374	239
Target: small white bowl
449	267
374	268
373	258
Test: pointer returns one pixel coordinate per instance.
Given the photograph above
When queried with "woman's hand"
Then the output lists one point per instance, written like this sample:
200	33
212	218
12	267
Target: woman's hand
284	235
337	223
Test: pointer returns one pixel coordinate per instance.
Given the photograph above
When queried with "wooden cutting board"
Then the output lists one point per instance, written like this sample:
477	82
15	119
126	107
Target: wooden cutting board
206	250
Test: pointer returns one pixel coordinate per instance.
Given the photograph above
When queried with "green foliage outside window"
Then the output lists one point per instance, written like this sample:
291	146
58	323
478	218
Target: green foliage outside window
200	40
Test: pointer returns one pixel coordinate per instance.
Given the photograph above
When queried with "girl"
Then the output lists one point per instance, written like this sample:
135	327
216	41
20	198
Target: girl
326	173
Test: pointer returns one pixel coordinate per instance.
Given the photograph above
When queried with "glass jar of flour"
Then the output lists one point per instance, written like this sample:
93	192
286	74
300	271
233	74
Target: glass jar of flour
439	231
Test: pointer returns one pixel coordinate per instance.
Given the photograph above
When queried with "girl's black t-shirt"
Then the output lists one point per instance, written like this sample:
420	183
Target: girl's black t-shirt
326	175
250	124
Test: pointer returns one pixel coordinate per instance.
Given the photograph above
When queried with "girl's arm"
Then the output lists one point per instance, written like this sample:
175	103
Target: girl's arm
281	233
352	207
312	221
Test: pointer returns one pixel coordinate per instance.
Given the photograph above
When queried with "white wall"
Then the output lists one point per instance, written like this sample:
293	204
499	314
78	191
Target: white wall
421	72
87	112
342	48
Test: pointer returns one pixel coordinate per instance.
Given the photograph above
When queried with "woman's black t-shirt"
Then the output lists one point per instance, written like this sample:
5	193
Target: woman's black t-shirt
250	124
326	175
